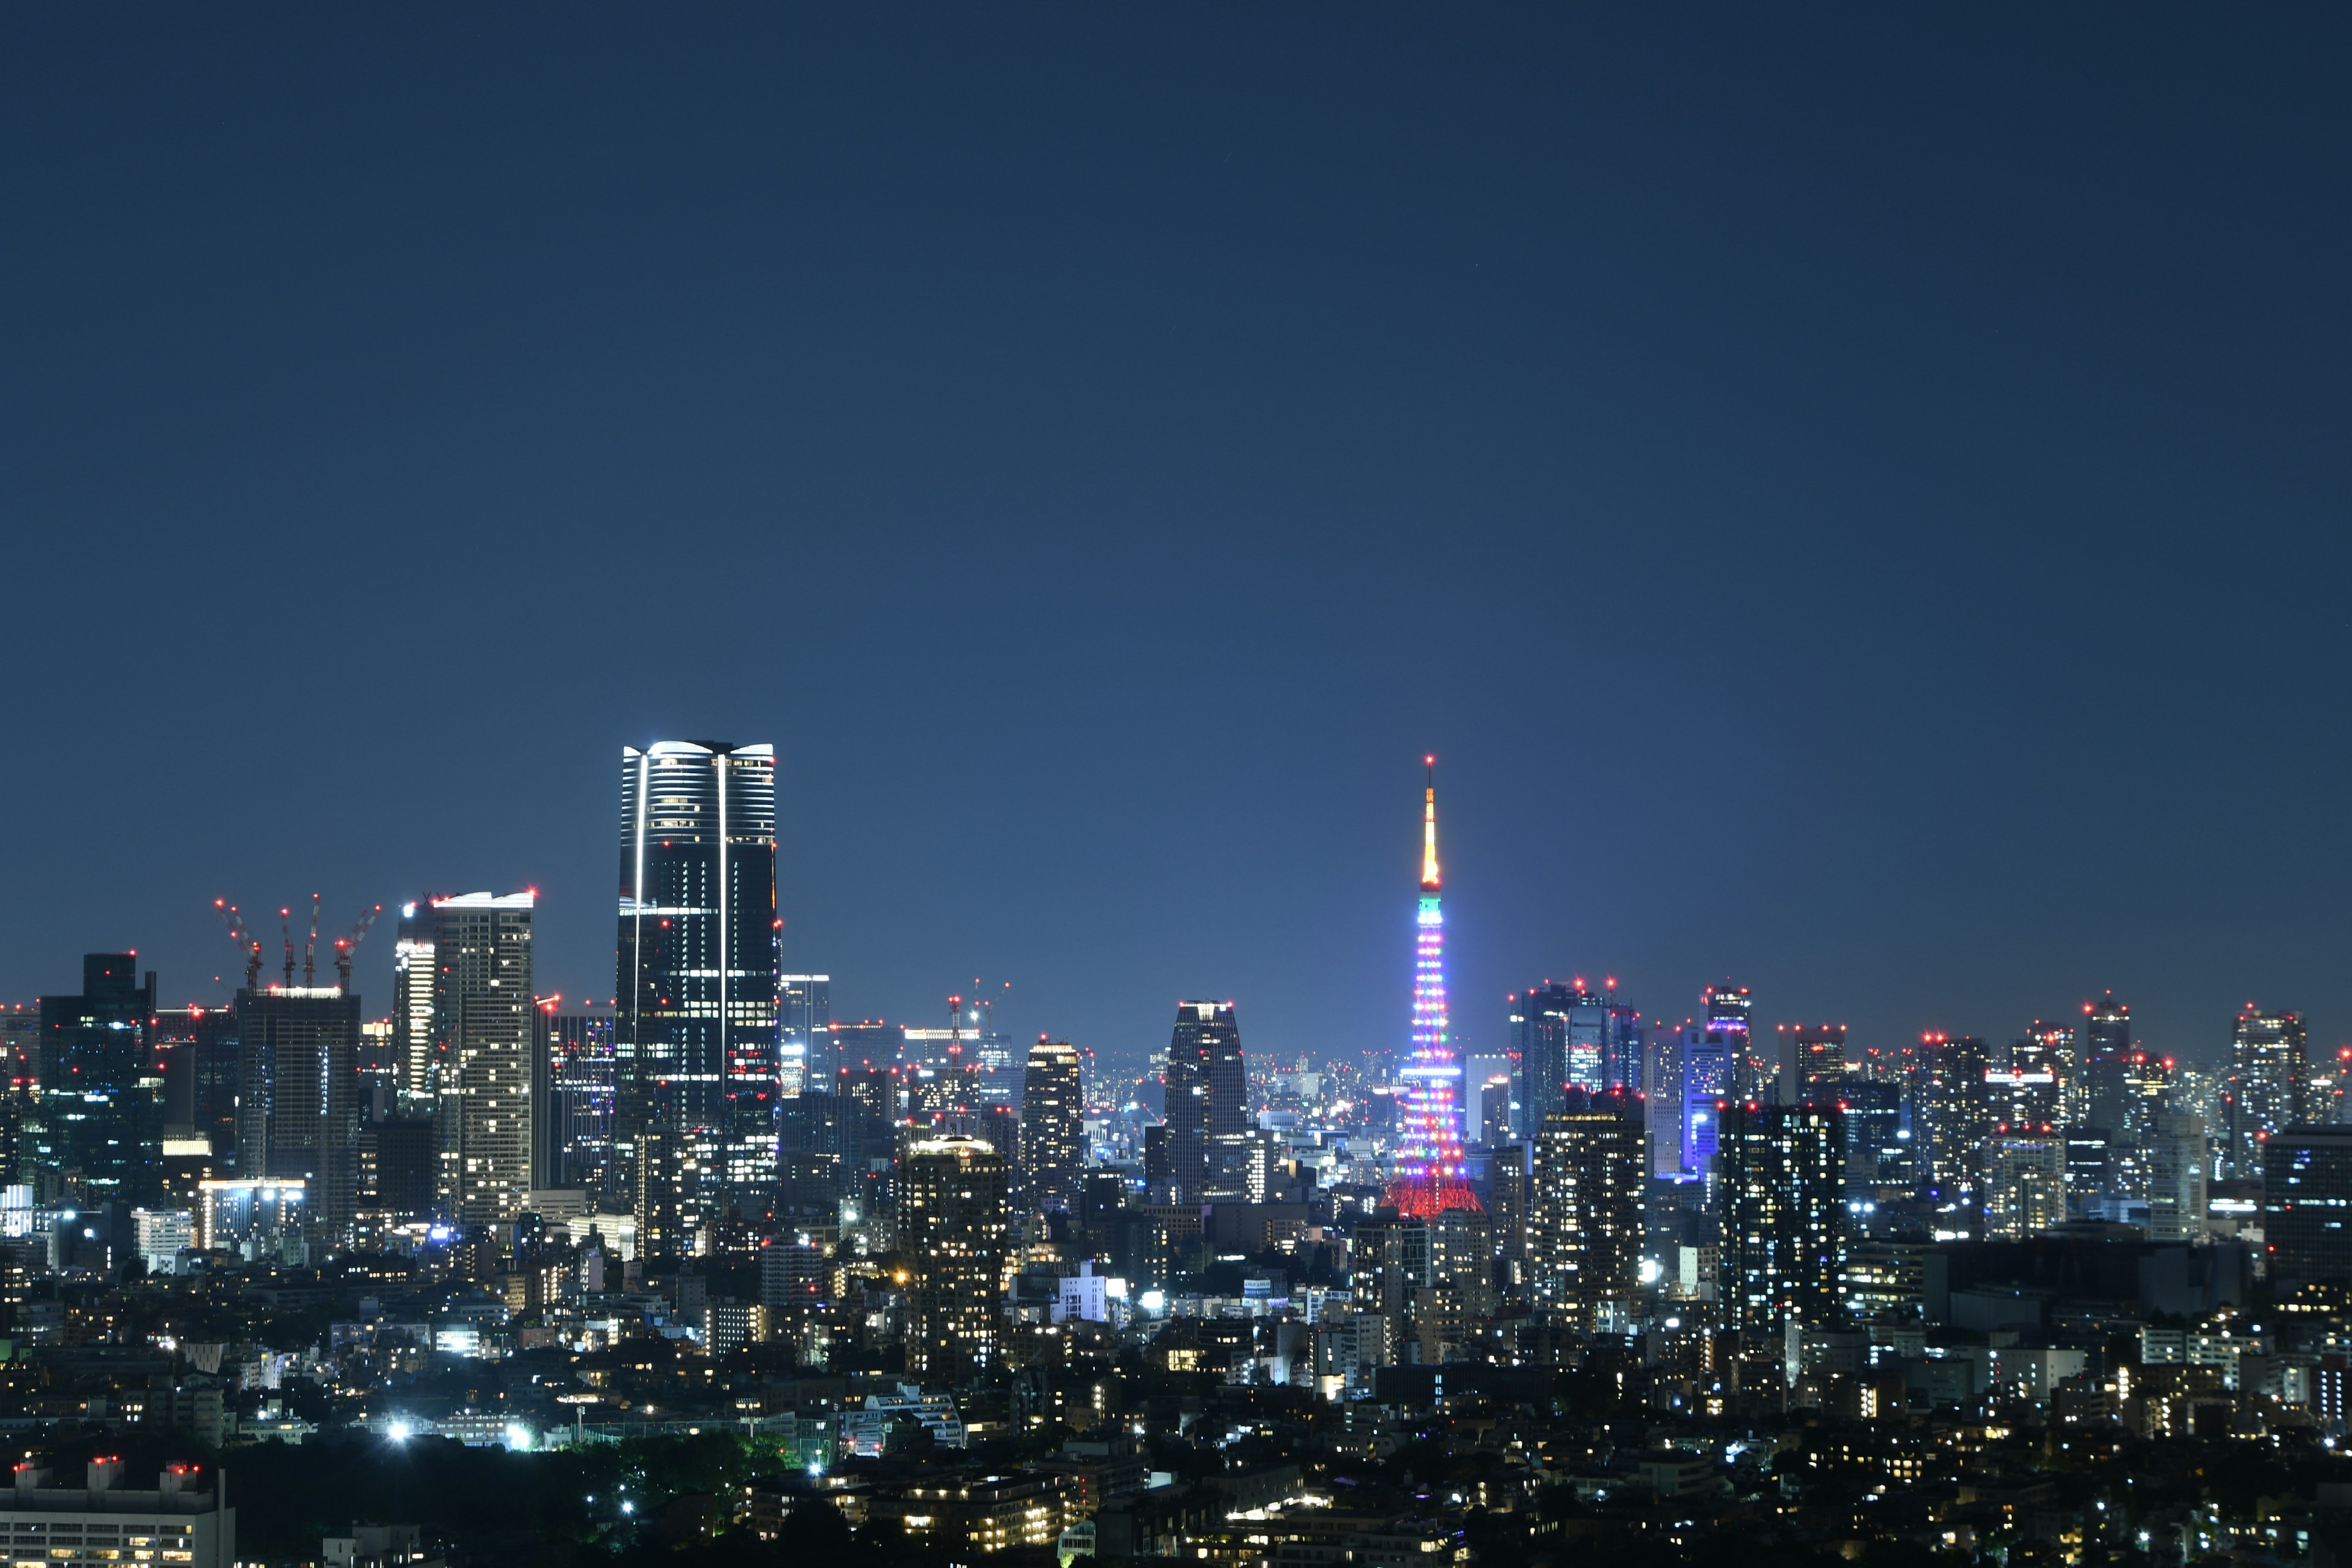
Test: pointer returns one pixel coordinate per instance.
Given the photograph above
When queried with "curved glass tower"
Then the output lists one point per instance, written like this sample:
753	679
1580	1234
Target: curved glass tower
700	966
1429	1179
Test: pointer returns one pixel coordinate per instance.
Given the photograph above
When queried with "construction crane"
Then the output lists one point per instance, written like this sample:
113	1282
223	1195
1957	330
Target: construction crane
346	945
245	941
310	947
286	931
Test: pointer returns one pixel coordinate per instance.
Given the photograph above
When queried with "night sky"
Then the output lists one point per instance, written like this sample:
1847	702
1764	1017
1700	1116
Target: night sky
1855	501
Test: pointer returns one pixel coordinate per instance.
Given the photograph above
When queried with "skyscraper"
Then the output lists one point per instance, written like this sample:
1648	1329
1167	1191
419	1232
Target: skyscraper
1429	1167
1207	1092
298	1102
483	1022
2025	1183
699	957
1053	1127
2268	1069
955	1216
1958	1114
1814	1065
413	982
1584	1246
101	1102
1783	1213
2096	1099
573	1121
1730	1012
2306	1188
804	1014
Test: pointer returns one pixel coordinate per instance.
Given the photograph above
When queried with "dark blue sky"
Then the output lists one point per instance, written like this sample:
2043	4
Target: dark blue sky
1855	501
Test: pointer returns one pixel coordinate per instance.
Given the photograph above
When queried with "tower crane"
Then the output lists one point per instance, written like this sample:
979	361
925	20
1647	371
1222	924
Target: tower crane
245	941
310	947
346	945
286	931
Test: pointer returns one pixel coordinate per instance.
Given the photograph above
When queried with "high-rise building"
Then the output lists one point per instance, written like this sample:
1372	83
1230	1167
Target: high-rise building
2306	1195
1430	1166
1570	1038
1730	1011
803	1020
1584	1246
414	980
1053	1127
1710	1054
2095	1096
202	1067
1782	1203
2175	1151
483	1031
297	1105
954	1218
2027	1095
2025	1184
1878	1155
102	1103
1813	1063
1959	1114
573	1120
2269	1066
1207	1092
1538	1018
700	966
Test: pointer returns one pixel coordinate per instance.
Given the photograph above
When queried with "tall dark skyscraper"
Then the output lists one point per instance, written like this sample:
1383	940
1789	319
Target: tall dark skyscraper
574	1127
102	1104
298	1102
1730	1012
804	1017
1783	1211
1053	1127
1584	1246
1568	1038
484	1024
1959	1114
1208	1091
700	956
2097	1099
2269	1067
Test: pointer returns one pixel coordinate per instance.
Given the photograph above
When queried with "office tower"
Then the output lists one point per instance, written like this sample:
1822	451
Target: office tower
1207	1092
2268	1069
1429	1166
1958	1114
804	1021
2089	1159
2324	1096
2026	1094
298	1108
1392	1266
1878	1159
102	1104
955	1216
412	981
1661	1095
2025	1184
575	1129
2176	1153
1053	1127
1485	1079
1510	1194
1710	1057
202	1063
1730	1011
2307	1192
867	1043
2147	1092
483	1026
699	969
2096	1097
1538	1018
1815	1063
1584	1243
1782	1202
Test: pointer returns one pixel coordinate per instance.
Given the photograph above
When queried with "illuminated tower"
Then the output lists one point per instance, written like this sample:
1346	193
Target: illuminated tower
1429	1166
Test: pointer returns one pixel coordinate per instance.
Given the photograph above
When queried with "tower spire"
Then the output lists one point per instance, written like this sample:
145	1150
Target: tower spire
1429	830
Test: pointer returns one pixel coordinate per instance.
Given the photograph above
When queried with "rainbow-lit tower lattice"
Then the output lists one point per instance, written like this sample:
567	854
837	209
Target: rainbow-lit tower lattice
1429	1166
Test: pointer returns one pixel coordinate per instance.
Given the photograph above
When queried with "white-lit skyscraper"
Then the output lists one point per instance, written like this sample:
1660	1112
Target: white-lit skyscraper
804	1017
484	1019
699	969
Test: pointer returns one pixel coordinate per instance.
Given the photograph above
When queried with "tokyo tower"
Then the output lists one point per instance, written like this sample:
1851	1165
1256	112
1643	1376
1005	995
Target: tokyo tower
1428	1180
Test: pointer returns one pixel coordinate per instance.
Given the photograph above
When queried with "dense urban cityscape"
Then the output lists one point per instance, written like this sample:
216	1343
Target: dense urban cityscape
710	1269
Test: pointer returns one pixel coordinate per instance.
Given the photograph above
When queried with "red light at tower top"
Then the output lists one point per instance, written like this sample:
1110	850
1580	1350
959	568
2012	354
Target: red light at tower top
1429	1168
